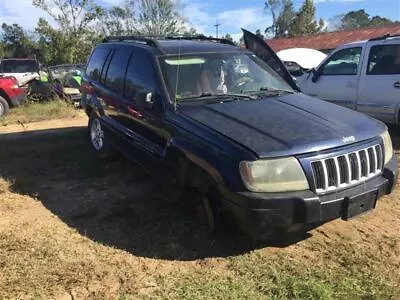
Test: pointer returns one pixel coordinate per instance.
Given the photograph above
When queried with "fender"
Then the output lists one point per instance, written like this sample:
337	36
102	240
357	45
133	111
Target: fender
198	156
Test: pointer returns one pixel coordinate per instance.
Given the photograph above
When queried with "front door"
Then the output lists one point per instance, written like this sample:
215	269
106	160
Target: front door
260	48
337	78
141	113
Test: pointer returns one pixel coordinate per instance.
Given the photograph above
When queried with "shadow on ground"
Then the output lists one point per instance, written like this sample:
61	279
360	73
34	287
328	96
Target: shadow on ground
113	201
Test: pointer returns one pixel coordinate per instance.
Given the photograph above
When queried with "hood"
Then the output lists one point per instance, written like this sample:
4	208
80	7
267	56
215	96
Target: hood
287	125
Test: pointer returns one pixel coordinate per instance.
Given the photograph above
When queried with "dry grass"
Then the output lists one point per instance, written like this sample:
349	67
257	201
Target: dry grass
75	227
34	112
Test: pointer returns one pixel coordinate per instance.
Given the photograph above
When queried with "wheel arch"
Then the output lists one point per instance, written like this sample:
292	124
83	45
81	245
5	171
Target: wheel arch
6	97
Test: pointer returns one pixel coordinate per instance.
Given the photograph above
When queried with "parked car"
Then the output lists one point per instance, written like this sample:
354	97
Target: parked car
300	60
363	76
243	139
10	94
23	69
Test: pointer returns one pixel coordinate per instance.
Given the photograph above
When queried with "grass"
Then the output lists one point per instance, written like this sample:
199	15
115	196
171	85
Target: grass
34	112
74	226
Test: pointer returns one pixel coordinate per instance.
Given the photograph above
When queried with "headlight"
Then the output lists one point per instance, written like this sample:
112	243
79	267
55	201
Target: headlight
273	175
387	144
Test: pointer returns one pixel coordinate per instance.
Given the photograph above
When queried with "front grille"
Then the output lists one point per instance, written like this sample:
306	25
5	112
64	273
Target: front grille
345	170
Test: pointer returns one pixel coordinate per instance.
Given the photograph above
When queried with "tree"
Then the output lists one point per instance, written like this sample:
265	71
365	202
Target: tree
283	13
359	19
74	38
259	34
159	17
228	37
74	17
304	22
118	20
16	42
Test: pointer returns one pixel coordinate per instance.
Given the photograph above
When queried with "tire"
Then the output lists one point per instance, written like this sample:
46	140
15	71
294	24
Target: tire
207	213
97	137
4	107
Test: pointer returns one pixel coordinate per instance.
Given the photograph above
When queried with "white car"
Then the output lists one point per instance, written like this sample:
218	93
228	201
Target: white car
23	69
364	76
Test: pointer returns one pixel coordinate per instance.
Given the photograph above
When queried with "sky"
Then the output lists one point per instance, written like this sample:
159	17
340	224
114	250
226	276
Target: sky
231	14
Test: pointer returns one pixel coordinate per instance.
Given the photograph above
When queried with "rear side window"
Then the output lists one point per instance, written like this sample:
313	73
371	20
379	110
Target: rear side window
384	60
116	70
140	78
96	63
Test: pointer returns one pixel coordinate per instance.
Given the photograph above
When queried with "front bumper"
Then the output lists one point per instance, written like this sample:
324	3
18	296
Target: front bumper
18	99
257	213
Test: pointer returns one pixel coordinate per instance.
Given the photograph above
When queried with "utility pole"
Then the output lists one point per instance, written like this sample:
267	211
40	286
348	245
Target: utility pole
216	27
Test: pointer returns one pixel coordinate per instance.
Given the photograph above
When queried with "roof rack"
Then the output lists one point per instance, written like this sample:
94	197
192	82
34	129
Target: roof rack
384	37
151	40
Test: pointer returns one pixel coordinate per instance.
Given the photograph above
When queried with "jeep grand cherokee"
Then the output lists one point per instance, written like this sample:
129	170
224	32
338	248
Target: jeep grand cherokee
231	125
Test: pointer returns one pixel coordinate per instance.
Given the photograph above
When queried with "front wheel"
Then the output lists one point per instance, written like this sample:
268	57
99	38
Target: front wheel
4	107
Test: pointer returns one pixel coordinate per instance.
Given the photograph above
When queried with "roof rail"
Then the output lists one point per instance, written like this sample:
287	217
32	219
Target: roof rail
384	37
200	37
134	38
151	40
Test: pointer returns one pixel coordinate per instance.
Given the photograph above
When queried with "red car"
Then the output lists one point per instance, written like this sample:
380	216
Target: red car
10	94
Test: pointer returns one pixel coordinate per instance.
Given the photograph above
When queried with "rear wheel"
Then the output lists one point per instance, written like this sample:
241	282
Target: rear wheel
4	107
97	136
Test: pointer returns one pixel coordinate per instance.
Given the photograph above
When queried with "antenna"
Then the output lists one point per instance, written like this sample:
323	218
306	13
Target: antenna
216	27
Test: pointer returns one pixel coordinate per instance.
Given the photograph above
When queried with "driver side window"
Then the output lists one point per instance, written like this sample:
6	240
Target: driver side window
343	62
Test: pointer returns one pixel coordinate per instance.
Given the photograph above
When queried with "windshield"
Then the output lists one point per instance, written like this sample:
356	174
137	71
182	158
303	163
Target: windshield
19	66
67	75
193	76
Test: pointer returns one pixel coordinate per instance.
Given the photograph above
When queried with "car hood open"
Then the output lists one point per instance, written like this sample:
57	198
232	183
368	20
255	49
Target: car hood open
287	125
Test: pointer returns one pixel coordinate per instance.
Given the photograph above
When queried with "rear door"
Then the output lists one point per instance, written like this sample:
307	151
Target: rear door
337	78
94	94
260	48
379	87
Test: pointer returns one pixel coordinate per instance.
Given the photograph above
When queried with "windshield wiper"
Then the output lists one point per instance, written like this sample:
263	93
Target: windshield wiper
266	91
217	97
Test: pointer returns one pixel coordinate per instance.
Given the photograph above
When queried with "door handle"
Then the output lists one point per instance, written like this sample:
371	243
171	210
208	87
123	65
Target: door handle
134	113
350	84
396	84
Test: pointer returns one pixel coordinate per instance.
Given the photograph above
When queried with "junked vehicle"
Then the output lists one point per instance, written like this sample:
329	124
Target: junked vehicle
363	76
300	60
67	80
23	69
11	94
230	125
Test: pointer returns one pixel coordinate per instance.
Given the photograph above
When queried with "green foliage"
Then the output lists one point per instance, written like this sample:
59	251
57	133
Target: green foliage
283	13
359	19
16	42
159	17
304	22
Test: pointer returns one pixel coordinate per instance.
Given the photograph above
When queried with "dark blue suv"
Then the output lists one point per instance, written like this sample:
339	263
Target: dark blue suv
230	125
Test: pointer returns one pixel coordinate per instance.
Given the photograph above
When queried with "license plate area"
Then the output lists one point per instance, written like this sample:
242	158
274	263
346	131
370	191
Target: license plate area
358	205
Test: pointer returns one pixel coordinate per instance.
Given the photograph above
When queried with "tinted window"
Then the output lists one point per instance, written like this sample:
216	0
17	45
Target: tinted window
343	62
19	66
139	78
116	70
384	60
96	62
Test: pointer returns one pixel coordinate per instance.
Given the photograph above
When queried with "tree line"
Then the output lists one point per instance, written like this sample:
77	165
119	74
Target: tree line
77	25
287	22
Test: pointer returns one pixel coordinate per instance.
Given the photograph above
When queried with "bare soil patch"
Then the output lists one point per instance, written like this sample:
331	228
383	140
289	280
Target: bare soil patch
76	227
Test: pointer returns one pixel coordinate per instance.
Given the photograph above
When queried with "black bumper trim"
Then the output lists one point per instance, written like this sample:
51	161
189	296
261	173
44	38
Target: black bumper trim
257	212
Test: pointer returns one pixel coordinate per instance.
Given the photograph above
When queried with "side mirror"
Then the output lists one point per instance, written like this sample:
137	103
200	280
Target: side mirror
315	75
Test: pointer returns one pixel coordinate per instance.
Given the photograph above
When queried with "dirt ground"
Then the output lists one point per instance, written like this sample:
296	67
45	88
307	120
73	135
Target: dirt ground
76	227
